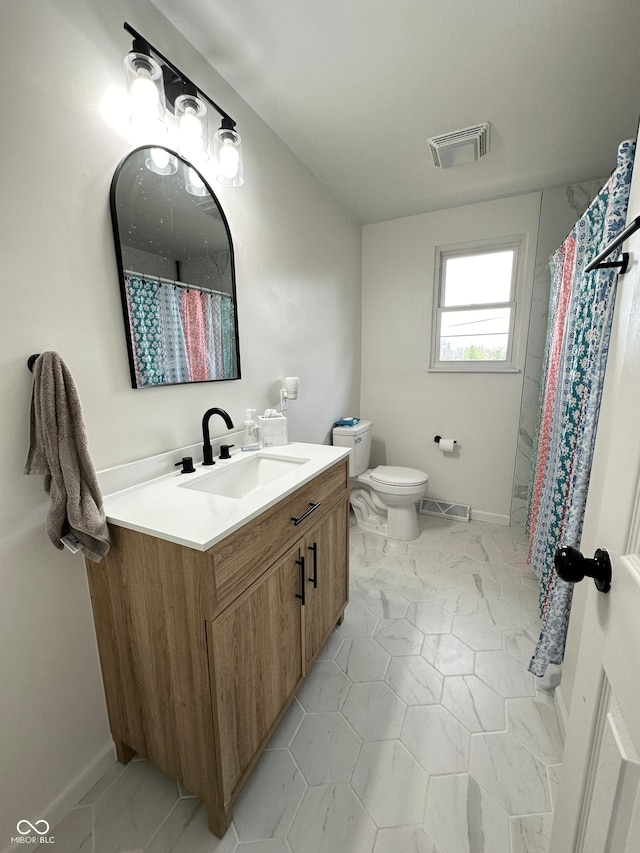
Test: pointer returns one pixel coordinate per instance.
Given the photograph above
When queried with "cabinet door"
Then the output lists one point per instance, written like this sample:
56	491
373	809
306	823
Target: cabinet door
255	659
325	552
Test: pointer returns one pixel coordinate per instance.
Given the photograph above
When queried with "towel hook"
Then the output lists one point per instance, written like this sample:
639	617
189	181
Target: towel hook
31	360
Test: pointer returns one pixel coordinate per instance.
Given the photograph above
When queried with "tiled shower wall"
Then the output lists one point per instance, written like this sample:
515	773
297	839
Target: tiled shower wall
561	208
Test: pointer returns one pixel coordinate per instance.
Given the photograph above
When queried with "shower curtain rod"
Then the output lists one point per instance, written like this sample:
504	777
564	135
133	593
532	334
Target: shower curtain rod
623	263
174	283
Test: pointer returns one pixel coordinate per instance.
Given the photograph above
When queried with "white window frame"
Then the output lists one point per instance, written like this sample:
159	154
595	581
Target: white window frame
443	253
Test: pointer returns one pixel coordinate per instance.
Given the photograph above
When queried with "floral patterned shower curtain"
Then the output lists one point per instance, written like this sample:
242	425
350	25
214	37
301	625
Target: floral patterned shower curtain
580	314
179	335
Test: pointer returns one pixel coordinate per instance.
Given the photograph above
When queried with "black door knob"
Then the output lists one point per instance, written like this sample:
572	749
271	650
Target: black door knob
573	567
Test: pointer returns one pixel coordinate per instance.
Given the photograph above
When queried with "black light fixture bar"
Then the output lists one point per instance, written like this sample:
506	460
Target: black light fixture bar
229	122
598	262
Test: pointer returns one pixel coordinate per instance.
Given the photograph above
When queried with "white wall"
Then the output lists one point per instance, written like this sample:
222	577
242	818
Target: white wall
410	405
298	280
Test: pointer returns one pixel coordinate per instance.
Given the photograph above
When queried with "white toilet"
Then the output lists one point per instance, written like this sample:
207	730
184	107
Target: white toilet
384	499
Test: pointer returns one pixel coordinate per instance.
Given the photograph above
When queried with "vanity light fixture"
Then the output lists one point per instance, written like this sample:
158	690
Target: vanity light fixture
160	95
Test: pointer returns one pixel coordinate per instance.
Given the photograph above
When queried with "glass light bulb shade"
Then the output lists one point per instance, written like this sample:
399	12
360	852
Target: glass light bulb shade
228	158
227	151
146	94
161	162
193	128
138	63
190	104
144	78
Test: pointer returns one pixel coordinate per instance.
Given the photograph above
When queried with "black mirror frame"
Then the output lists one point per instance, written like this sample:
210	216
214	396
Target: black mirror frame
121	271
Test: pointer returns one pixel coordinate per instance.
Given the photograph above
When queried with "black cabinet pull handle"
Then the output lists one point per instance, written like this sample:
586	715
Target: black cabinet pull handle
301	595
312	507
314	579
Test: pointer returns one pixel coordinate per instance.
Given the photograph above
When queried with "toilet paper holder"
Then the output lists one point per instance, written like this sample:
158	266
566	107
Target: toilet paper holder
438	437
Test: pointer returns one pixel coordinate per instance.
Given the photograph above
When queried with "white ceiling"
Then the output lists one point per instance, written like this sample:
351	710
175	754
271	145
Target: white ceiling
355	88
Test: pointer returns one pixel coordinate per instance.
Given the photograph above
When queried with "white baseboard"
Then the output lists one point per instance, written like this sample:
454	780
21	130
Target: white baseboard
490	517
81	785
68	798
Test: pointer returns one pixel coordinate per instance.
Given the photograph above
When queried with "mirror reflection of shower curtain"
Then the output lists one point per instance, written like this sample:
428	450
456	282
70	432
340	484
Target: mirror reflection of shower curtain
175	348
177	334
580	315
146	331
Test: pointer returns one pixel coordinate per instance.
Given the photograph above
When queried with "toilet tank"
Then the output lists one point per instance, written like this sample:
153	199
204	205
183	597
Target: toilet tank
358	439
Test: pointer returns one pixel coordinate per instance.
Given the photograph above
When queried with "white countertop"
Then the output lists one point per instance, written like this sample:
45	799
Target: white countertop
166	508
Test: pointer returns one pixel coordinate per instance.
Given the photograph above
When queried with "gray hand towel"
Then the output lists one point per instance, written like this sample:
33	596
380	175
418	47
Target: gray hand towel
58	449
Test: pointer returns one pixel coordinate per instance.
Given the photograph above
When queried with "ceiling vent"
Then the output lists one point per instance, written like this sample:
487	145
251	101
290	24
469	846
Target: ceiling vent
209	207
460	147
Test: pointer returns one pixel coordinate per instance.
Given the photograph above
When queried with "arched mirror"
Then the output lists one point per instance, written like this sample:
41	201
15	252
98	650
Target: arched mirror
177	275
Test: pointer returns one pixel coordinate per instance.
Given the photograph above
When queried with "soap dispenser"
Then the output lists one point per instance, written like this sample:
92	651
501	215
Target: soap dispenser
250	439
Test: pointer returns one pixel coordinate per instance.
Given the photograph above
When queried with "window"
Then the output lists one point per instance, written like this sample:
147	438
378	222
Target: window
475	308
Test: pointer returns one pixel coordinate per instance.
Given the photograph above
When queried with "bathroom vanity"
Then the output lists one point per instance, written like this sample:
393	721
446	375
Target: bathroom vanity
204	641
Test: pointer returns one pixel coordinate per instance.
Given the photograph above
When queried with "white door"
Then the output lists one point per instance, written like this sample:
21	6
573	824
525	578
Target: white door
598	805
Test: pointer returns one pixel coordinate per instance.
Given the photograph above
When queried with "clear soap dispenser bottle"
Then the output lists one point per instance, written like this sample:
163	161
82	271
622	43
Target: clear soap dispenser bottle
250	439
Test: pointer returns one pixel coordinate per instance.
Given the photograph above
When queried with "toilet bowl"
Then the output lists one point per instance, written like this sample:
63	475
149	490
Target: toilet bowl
399	490
384	499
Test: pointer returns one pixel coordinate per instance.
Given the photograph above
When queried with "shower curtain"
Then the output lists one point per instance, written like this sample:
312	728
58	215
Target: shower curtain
179	335
580	314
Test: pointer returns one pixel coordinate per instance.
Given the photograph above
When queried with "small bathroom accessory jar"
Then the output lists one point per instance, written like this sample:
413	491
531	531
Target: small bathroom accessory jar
250	439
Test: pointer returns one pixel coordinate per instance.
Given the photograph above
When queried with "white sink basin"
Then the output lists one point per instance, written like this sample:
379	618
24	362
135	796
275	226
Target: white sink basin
243	476
199	510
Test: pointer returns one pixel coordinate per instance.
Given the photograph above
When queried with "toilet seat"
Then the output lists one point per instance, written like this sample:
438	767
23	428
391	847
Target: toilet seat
393	475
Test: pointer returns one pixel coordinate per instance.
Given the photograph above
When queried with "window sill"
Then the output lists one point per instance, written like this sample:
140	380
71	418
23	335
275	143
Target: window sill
466	368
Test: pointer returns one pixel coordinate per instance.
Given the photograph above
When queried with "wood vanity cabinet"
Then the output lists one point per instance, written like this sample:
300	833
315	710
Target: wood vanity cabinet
202	652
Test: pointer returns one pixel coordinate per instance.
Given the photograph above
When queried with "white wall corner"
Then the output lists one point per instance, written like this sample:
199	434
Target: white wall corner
70	796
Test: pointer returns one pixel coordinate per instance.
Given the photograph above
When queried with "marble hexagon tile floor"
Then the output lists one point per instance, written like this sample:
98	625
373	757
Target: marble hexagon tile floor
419	728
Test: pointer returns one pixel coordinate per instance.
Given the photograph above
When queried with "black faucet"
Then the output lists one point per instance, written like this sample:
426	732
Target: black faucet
207	450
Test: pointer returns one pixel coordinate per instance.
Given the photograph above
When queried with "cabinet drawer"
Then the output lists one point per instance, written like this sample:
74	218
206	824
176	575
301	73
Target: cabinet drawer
241	557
